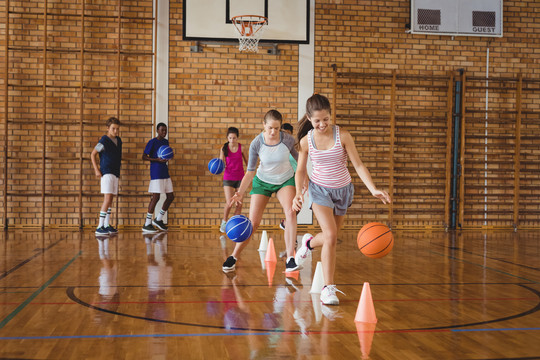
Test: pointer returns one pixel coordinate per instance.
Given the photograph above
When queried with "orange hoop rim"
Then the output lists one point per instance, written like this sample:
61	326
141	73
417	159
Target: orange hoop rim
243	22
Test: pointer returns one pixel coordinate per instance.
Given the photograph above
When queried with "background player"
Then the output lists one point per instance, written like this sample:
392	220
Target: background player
109	149
160	181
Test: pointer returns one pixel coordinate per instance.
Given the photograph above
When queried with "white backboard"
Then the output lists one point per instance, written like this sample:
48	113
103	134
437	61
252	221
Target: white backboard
210	20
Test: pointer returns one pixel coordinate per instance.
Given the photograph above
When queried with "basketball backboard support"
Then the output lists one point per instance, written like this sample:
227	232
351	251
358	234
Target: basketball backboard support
210	20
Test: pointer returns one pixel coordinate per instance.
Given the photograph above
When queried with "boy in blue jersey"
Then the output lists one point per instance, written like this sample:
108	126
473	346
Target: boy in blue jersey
109	149
160	181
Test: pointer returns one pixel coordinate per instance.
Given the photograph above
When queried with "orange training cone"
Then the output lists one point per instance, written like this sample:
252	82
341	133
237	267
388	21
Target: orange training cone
292	274
365	311
270	252
365	333
270	270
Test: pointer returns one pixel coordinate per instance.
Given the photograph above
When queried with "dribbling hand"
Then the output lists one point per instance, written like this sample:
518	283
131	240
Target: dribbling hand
236	199
297	203
383	196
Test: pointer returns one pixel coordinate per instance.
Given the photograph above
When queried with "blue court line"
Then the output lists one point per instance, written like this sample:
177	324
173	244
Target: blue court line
37	292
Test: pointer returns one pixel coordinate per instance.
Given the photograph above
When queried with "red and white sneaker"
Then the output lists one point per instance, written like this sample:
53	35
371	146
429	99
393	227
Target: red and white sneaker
304	251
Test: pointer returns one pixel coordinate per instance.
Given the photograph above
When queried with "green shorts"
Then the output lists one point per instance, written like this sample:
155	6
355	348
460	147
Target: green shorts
263	188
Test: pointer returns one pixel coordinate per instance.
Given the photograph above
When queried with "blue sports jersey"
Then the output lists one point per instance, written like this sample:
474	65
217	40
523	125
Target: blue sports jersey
158	170
110	158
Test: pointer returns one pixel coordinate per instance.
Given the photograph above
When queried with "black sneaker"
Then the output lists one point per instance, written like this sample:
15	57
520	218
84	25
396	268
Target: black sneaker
160	224
229	264
102	231
149	229
111	230
282	224
291	266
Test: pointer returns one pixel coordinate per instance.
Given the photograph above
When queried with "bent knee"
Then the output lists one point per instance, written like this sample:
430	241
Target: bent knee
290	213
330	238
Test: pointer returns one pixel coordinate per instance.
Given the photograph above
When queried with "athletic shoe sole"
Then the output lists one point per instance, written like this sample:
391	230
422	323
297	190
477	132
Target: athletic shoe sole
159	227
298	267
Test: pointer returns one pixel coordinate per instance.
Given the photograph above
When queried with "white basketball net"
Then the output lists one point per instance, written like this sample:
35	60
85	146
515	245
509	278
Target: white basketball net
250	29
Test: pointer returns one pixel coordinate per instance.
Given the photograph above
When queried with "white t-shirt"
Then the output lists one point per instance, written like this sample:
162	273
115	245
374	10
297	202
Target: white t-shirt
274	167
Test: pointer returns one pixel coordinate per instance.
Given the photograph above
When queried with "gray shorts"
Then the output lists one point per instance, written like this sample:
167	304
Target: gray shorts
232	183
339	199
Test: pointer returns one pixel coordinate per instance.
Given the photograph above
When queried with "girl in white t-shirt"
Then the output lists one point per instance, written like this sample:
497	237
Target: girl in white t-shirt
274	174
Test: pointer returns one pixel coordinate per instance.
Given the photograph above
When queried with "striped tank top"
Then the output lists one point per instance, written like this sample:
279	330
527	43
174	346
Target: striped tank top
329	166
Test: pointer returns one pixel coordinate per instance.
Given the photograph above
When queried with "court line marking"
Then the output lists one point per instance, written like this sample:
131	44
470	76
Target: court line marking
37	292
489	257
70	292
483	266
70	337
22	263
272	301
266	285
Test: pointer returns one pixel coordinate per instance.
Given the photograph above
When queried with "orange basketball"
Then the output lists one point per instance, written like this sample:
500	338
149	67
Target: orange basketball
375	240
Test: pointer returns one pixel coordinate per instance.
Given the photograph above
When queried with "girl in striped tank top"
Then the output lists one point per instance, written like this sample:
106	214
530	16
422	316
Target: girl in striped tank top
330	188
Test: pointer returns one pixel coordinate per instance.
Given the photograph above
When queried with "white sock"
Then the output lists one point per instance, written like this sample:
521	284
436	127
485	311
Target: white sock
160	215
148	219
107	218
102	216
289	258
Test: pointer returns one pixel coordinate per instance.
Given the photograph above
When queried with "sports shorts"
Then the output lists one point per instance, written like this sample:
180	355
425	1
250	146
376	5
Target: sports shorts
339	199
263	188
109	184
232	183
160	186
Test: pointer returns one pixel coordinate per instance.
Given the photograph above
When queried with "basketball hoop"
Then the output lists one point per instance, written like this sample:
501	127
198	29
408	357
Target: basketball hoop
250	29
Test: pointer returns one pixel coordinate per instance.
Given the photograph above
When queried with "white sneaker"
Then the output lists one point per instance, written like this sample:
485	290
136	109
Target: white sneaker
328	295
330	313
222	227
304	251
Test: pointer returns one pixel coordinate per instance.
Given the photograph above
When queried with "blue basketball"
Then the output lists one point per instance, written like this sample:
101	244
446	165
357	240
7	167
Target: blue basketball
216	166
239	228
165	152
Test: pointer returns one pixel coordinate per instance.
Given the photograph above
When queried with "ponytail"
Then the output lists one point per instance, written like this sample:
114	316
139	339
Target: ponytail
225	149
304	125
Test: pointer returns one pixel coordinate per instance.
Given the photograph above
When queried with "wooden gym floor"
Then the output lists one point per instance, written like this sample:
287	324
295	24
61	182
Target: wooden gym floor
68	295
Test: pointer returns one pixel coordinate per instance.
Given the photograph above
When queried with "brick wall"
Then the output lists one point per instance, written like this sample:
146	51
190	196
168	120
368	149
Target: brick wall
47	134
221	87
369	37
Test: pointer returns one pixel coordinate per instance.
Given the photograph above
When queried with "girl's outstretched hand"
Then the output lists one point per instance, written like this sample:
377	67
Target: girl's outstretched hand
236	199
383	196
297	202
